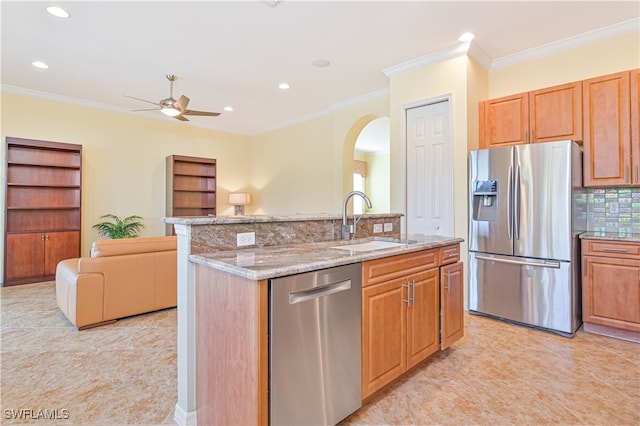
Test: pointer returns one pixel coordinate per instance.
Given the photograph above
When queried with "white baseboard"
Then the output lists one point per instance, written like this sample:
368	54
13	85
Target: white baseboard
184	418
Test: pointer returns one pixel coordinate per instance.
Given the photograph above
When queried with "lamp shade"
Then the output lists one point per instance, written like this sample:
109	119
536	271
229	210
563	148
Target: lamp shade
239	198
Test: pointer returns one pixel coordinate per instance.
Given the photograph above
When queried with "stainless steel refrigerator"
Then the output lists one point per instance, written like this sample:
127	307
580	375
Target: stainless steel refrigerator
527	209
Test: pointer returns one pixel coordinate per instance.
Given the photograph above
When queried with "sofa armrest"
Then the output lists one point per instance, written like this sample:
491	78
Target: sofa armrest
80	296
88	265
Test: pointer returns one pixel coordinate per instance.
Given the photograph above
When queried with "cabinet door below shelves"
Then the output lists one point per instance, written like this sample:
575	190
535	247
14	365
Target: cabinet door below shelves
452	304
384	327
60	246
25	255
423	328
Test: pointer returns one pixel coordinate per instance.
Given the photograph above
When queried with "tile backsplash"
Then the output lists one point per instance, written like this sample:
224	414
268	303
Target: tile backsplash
613	211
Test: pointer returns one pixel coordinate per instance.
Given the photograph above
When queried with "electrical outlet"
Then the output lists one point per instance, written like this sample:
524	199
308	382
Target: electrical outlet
388	227
246	239
377	227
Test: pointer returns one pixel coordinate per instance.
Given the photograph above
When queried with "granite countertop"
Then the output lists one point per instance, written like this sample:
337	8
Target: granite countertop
277	261
633	238
217	220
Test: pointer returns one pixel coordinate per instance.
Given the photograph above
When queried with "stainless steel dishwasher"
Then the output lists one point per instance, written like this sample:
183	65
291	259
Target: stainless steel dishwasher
315	346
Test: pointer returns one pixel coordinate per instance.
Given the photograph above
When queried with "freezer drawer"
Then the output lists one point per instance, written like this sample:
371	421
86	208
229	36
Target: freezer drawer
535	292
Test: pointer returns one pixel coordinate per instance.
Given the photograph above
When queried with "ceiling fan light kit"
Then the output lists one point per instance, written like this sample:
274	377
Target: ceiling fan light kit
172	107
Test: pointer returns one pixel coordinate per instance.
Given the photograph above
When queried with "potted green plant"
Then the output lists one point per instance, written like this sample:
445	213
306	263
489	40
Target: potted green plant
114	227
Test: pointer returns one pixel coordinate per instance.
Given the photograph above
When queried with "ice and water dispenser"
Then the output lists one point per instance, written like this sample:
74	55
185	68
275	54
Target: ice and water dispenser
485	200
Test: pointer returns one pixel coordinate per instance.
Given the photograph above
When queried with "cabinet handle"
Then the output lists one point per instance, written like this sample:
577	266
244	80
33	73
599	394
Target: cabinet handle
42	237
452	254
615	250
408	299
584	267
448	275
637	175
524	136
533	135
626	174
413	292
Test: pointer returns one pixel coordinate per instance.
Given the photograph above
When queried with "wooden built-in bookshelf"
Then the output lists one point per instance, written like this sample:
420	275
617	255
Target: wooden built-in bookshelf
191	186
42	209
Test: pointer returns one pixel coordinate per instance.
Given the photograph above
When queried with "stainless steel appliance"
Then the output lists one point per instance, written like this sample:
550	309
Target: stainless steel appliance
527	208
315	348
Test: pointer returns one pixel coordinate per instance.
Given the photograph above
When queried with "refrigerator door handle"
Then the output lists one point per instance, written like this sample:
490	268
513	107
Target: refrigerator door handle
526	262
509	203
516	204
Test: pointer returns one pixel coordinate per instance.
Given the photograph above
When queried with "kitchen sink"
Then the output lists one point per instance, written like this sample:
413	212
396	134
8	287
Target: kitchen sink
370	246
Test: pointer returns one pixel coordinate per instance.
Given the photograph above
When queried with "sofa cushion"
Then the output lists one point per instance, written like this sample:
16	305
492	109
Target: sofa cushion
104	248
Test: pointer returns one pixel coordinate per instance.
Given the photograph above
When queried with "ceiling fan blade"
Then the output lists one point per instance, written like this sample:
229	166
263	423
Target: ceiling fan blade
181	118
182	103
204	113
143	100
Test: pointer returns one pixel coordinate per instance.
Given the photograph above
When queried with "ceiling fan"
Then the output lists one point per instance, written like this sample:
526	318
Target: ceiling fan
172	107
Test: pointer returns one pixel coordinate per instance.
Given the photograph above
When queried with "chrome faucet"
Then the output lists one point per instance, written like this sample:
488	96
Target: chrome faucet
346	232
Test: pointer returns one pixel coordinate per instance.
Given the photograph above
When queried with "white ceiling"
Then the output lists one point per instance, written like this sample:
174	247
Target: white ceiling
236	52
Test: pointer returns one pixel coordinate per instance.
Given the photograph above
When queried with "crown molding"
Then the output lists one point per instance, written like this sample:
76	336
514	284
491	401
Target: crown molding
21	91
377	94
428	60
590	37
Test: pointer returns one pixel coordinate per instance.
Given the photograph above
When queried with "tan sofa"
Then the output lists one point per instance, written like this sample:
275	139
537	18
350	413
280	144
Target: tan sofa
121	278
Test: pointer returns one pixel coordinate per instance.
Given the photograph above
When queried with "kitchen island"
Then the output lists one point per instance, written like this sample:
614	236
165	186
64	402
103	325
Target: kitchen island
222	326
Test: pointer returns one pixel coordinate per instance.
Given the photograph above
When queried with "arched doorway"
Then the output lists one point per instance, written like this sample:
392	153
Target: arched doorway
367	163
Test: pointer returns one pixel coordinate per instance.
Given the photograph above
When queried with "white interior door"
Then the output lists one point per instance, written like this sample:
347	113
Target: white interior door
429	170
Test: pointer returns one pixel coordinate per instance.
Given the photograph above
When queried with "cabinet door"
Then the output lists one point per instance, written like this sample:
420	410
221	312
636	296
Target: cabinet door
423	325
504	121
25	255
452	303
556	113
611	292
635	125
607	134
60	246
383	334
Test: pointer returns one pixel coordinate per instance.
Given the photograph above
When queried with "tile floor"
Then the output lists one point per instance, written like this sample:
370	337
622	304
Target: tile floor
498	374
124	373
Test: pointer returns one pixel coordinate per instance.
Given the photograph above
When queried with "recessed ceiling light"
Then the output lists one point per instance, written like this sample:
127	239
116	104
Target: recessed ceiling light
40	64
283	86
466	37
228	108
58	11
321	63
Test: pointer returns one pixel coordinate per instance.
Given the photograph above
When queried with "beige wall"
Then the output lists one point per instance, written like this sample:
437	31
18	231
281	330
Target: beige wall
607	57
447	78
308	167
378	182
124	157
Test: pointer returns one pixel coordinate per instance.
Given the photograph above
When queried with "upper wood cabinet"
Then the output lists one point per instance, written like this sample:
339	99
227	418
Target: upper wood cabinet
42	217
549	114
608	158
635	124
504	121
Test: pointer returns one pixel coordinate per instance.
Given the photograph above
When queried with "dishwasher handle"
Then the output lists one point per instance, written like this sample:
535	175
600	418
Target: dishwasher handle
317	292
